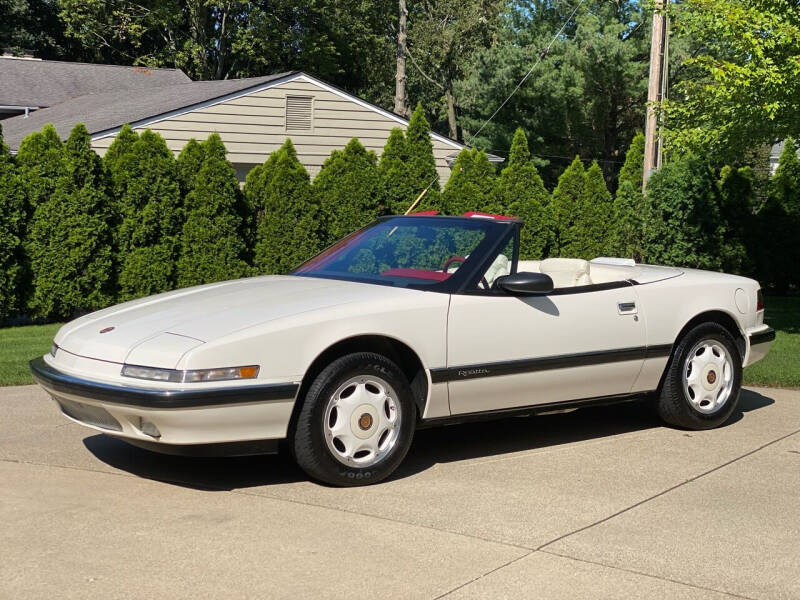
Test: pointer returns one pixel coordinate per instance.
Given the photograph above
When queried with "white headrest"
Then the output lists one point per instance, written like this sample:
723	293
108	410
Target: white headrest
566	272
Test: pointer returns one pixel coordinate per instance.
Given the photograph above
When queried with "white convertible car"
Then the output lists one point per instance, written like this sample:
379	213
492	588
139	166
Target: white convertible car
409	322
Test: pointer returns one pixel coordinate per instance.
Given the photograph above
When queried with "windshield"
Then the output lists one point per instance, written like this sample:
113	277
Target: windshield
403	251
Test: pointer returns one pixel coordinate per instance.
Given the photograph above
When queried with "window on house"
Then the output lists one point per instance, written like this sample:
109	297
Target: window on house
299	113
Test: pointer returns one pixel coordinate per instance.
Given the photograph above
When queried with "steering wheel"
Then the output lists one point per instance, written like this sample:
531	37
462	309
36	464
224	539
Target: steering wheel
451	260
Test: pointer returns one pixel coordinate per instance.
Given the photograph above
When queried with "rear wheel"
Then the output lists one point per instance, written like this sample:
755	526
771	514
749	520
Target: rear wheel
703	380
357	421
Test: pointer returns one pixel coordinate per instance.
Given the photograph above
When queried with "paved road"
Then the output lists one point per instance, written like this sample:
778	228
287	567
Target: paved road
600	503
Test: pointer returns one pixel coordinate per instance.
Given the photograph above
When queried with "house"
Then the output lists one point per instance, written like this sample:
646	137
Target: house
252	116
28	84
775	157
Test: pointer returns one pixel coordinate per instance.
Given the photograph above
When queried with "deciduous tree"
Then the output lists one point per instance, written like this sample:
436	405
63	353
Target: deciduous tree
741	86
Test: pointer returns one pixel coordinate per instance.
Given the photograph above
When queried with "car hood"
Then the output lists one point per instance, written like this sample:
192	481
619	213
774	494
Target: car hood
178	321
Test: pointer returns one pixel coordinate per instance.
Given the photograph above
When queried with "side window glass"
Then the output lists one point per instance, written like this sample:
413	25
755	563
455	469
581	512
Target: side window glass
501	265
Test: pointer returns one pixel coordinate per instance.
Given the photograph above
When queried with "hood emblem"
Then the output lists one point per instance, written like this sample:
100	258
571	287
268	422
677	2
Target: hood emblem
106	329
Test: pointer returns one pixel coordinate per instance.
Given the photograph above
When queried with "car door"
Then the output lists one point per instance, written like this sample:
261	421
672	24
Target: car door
507	351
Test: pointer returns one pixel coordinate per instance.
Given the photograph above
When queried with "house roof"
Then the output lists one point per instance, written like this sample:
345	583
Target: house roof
41	83
110	110
105	113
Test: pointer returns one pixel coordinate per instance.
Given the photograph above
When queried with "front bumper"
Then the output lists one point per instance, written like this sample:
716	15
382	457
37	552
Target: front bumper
170	417
759	342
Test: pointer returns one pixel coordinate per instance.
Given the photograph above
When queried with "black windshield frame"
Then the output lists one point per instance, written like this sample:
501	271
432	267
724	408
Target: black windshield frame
498	232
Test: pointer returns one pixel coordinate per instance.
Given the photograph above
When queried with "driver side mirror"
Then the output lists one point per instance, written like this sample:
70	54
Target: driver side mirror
525	283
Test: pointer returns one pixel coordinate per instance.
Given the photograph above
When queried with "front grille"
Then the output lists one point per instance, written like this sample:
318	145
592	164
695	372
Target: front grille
91	415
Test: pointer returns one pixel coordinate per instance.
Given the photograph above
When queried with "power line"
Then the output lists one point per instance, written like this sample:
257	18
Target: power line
530	71
541	57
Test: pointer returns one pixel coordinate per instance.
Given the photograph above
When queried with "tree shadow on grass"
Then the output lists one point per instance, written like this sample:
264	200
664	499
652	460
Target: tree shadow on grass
431	446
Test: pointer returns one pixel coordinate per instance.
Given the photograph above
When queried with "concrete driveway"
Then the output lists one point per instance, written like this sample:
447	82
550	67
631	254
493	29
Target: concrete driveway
599	503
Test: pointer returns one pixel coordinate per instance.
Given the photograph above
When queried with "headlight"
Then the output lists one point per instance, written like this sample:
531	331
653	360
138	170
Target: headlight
53	350
193	376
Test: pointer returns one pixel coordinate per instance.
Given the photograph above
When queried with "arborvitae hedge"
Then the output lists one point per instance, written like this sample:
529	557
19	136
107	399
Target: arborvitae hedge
397	190
212	245
422	172
627	234
12	224
521	193
564	207
737	195
684	224
190	160
40	160
119	152
595	220
779	224
69	237
288	232
150	218
347	189
60	199
471	186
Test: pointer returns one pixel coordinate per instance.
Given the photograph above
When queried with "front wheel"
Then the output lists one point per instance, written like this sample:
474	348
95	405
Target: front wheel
357	421
703	379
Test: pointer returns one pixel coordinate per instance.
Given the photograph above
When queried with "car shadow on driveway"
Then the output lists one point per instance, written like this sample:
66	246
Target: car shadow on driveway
431	446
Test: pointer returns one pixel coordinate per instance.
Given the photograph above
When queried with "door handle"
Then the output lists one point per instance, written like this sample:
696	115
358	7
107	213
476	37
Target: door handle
626	308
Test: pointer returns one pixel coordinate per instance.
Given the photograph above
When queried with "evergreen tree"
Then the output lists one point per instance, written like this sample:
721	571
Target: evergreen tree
684	226
396	187
288	231
422	172
212	247
12	218
629	204
347	189
150	218
118	152
565	206
40	160
521	193
69	237
594	223
190	160
737	193
779	224
471	186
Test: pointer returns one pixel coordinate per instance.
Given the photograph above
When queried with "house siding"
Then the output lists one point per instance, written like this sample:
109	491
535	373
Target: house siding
253	125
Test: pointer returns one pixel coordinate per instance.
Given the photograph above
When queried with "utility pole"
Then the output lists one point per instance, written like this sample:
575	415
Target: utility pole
656	89
400	95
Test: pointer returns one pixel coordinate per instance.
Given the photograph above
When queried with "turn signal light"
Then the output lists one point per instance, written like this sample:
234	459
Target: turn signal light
193	376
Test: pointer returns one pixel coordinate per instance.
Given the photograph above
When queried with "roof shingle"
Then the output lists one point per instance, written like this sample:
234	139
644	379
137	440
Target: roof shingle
100	112
41	83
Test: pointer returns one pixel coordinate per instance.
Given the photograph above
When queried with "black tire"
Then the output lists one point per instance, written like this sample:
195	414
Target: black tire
309	446
673	405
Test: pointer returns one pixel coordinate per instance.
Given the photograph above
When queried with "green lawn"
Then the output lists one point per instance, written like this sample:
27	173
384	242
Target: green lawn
20	344
781	367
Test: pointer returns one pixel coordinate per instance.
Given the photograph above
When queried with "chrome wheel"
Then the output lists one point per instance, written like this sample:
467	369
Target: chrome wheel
708	376
362	421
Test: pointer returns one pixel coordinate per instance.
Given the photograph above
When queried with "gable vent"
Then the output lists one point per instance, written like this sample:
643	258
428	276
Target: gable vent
298	113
